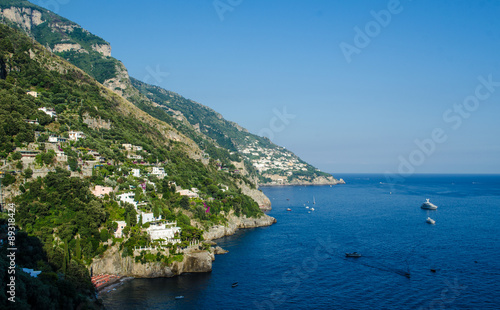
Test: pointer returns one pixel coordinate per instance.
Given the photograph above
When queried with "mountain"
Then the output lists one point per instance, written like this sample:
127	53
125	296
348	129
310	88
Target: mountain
256	157
63	137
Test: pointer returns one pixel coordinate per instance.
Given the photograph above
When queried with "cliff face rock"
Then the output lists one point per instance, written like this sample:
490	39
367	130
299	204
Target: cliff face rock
234	223
113	263
104	49
63	47
24	17
121	82
258	196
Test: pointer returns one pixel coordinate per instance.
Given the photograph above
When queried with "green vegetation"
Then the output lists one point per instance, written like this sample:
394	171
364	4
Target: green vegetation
72	225
52	289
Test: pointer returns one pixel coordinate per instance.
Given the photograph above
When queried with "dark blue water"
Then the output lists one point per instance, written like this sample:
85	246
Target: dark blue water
299	263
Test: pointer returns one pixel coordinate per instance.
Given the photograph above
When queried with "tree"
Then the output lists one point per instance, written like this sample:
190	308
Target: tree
73	163
28	173
78	249
17	156
184	203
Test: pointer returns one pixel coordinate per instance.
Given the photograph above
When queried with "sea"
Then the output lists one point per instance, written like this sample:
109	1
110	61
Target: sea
300	262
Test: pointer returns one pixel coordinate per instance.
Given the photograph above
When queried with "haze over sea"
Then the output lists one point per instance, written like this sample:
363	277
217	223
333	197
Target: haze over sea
300	263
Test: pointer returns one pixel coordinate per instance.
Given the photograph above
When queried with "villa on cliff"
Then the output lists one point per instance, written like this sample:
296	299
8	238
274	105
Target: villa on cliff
165	231
188	193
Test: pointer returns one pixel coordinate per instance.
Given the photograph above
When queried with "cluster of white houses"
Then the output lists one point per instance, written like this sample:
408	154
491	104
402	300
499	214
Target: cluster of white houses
157	230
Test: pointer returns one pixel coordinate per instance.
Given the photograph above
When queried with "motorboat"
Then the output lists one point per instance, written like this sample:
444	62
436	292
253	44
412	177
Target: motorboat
288	209
179	297
312	209
235	284
428	205
430	221
353	254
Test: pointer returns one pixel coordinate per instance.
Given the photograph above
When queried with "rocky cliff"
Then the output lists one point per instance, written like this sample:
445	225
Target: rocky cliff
112	262
235	223
195	260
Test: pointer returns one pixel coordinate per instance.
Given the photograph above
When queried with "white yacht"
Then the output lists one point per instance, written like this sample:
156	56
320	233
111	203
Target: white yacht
428	205
430	221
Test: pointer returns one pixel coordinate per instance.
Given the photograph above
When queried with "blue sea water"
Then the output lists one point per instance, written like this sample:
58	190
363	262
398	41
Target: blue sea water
300	263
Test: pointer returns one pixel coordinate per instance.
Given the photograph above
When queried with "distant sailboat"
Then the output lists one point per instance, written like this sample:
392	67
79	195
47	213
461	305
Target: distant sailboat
314	201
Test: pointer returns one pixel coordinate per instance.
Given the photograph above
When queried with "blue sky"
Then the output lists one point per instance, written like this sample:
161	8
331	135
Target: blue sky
356	113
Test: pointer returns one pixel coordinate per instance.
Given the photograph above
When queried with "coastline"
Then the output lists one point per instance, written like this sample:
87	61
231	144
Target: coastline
195	260
335	182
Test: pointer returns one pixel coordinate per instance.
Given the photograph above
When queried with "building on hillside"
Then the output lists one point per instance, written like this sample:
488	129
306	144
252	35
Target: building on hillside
136	157
128	197
31	121
159	172
136	172
49	111
32	93
119	229
101	191
166	231
130	147
76	135
55	139
149	217
188	193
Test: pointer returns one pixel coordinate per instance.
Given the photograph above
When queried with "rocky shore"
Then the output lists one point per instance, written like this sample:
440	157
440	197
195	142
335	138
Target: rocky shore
195	259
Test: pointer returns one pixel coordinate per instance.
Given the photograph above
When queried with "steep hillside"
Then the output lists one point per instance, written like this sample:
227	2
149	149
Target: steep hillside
264	162
63	136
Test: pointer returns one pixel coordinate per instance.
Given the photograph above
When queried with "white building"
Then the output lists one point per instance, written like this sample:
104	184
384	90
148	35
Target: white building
164	231
119	230
49	111
136	157
128	197
149	217
32	93
75	135
159	172
136	172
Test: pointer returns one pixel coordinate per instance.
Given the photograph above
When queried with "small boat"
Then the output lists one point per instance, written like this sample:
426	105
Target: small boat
433	270
312	209
235	284
179	297
430	221
353	254
428	205
288	209
314	201
307	207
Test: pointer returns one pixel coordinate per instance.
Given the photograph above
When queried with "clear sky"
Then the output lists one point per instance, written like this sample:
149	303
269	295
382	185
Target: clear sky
359	80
